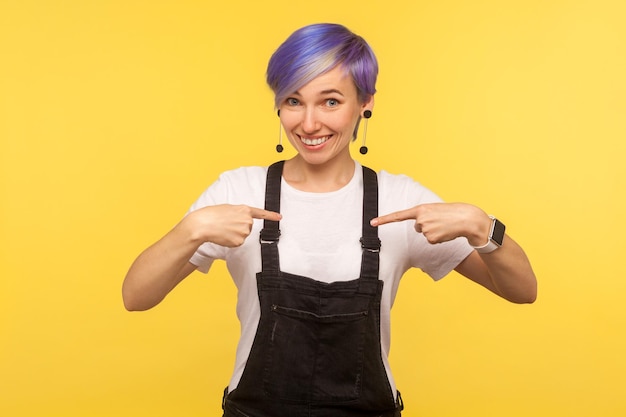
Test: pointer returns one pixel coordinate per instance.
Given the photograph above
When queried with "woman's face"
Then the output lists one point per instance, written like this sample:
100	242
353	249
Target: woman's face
320	117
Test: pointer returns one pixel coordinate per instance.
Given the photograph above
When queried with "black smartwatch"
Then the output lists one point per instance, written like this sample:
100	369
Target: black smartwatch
496	236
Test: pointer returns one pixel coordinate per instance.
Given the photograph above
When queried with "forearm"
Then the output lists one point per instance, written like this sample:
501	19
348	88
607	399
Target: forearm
511	272
505	271
159	268
163	265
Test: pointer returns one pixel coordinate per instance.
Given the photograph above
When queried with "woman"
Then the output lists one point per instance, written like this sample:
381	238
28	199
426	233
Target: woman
316	267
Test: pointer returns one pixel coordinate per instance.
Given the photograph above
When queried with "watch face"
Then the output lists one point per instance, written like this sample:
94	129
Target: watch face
498	232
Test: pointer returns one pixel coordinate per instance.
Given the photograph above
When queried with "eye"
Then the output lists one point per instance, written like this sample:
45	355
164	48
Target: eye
331	102
292	101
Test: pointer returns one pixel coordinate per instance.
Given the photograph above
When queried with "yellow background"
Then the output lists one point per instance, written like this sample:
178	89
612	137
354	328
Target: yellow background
115	116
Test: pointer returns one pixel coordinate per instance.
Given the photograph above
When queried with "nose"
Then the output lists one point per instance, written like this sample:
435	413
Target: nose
310	121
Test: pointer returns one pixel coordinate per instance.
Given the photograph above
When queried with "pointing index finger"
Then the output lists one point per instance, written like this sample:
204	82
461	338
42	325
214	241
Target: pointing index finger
258	213
397	216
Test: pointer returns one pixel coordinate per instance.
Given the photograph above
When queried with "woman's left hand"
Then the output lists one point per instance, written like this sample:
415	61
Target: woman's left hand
507	271
441	222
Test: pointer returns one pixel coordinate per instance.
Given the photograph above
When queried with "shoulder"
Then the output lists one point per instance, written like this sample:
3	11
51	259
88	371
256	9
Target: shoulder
252	175
244	185
403	189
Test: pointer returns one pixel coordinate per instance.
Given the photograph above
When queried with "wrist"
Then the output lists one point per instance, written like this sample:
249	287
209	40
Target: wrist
493	239
479	229
193	229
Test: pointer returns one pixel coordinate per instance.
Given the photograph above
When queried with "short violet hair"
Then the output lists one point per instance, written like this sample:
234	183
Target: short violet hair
316	49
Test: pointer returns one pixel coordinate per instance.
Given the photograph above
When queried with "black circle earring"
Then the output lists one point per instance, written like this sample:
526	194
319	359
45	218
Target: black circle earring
279	147
366	115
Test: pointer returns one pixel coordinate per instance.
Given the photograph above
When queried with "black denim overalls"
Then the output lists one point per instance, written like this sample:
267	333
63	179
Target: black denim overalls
316	352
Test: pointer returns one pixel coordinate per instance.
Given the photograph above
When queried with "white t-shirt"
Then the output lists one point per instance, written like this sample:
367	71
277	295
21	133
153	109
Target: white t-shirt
319	239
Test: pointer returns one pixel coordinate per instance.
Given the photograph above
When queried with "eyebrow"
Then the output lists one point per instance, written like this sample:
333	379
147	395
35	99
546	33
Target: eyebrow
324	92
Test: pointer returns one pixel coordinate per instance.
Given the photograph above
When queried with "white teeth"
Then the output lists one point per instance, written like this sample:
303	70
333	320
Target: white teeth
313	142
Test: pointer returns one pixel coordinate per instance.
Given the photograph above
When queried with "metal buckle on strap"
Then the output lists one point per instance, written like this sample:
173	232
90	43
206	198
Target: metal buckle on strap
399	402
371	244
269	236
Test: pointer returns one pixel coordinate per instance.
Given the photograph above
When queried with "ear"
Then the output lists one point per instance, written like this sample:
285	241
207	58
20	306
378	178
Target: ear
368	104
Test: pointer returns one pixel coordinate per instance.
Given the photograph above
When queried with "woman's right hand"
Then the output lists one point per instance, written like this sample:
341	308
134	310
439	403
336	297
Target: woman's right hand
226	225
159	268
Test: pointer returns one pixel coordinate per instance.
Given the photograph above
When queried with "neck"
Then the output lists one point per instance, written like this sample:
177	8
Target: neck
318	178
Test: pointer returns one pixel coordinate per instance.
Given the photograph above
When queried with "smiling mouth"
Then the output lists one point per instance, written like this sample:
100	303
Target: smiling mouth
314	141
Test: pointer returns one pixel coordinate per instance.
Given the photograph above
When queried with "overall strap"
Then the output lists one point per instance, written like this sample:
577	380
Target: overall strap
369	240
270	232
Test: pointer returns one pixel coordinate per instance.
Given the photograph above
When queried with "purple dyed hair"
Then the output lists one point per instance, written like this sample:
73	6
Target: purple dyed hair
316	49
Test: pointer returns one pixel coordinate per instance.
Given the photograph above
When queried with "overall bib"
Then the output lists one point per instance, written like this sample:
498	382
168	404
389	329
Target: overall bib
316	352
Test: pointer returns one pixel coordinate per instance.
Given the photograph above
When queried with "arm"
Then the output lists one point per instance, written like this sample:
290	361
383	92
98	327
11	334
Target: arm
163	265
506	271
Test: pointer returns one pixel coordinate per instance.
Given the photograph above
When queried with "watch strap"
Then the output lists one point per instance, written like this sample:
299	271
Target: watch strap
492	244
488	247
